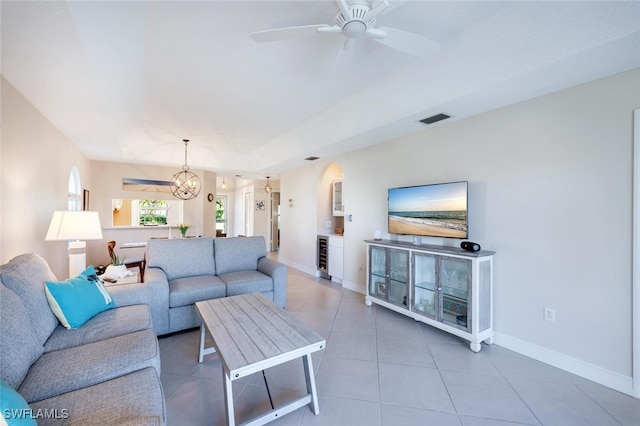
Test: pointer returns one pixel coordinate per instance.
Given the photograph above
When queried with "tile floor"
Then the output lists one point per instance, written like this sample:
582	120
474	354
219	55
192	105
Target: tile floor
381	368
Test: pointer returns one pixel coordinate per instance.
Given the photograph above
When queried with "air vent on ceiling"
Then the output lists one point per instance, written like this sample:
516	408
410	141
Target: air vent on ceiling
434	118
312	158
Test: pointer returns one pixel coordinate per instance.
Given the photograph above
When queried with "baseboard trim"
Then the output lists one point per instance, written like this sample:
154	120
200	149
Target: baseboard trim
313	272
349	285
597	374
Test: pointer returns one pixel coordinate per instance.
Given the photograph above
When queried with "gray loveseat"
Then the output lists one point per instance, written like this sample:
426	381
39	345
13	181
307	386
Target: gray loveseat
105	372
183	271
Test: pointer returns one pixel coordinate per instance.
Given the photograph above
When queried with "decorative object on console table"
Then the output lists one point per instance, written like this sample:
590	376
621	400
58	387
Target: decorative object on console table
75	227
183	229
470	246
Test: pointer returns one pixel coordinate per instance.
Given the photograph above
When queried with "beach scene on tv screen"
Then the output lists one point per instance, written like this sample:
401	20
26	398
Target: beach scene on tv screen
431	210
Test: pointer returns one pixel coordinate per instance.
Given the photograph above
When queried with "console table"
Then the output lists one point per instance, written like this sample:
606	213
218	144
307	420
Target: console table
445	287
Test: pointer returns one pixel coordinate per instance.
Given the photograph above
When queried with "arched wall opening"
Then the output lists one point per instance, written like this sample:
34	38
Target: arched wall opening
327	222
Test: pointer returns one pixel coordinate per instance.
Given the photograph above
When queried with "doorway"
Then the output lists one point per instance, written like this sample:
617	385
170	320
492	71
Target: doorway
221	215
248	214
274	218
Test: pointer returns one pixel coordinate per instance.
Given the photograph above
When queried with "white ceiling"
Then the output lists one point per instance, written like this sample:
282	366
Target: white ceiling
127	81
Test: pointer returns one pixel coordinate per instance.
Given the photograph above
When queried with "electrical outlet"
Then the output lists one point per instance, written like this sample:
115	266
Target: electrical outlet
549	314
327	224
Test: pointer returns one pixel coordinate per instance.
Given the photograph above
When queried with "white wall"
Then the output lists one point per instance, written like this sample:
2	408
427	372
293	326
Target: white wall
298	226
36	160
550	184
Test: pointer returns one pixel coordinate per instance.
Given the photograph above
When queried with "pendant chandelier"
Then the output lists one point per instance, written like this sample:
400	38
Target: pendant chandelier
185	184
223	185
267	188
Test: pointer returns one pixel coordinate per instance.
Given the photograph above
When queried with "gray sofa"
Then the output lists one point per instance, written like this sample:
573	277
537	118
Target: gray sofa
105	372
183	271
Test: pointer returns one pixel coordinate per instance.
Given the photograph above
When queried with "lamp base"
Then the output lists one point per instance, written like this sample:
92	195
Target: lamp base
77	257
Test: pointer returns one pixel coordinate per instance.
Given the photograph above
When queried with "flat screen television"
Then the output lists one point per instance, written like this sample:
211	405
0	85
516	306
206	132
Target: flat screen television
438	210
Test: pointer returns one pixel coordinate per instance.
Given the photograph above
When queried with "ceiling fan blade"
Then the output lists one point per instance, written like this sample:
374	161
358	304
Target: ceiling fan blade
330	29
377	8
287	33
410	43
342	61
376	33
344	9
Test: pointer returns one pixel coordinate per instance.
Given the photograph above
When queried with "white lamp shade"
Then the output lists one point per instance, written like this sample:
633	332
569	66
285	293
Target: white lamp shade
74	225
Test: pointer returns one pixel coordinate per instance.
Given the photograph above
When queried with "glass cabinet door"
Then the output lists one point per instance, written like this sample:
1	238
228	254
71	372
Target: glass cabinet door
398	277
455	284
378	272
425	300
338	202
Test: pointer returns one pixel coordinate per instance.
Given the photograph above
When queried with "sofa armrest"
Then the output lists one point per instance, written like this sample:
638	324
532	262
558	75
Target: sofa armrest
158	290
278	272
129	294
155	275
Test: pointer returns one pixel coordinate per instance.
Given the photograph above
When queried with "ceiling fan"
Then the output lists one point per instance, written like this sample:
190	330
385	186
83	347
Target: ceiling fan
353	20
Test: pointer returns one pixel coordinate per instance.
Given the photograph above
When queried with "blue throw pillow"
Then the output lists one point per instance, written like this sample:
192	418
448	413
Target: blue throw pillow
76	300
14	409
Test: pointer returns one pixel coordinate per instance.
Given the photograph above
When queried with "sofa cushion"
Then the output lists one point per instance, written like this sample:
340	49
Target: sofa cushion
76	300
189	290
181	257
75	368
25	276
13	407
105	325
238	253
19	345
244	282
132	399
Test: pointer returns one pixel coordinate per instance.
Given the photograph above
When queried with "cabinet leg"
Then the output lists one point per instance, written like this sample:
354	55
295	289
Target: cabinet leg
368	302
489	341
475	346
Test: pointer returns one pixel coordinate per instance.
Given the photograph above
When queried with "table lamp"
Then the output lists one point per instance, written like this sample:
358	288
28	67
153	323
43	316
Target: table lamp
75	227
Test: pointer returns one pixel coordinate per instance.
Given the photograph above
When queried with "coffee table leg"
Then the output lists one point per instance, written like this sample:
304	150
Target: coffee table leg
311	383
228	399
201	353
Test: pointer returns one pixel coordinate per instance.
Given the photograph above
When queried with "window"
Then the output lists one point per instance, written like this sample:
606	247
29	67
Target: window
128	212
74	197
152	212
221	214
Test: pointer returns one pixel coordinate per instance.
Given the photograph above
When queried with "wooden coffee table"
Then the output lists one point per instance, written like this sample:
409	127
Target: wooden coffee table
250	333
